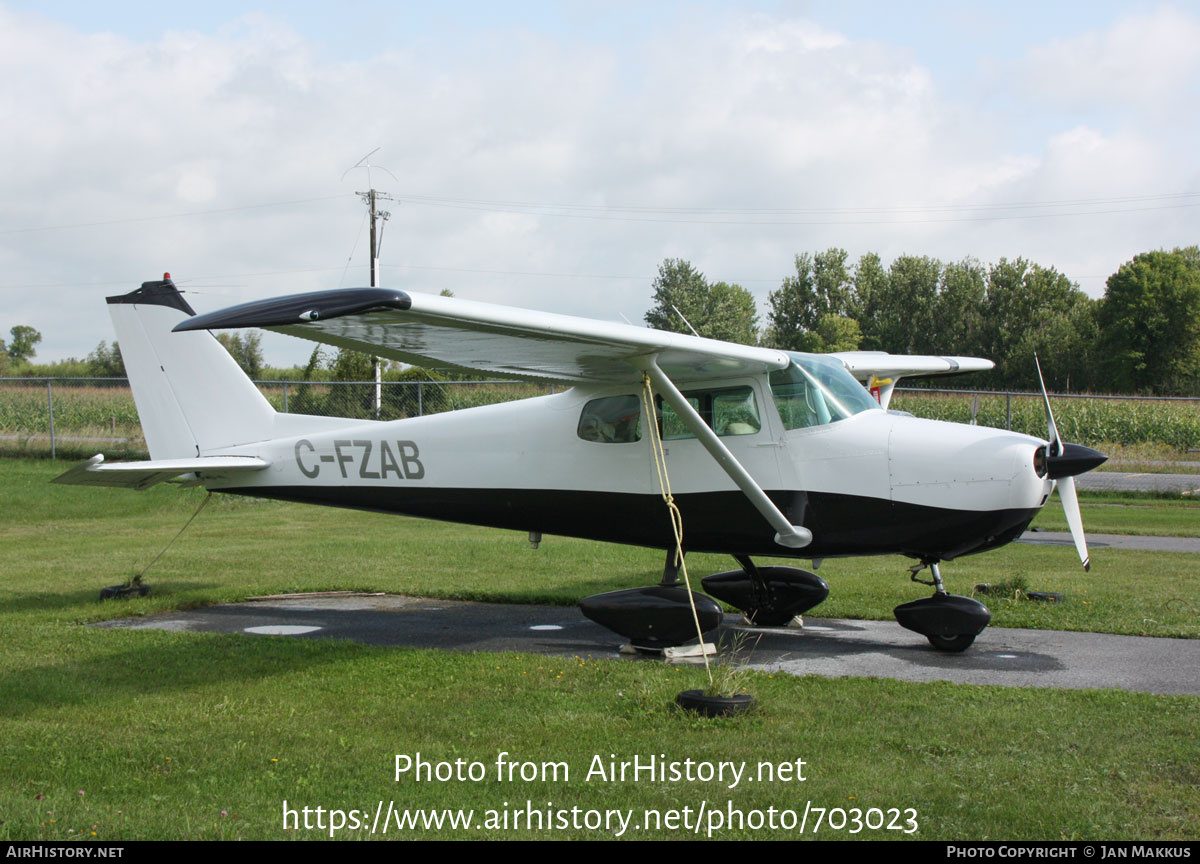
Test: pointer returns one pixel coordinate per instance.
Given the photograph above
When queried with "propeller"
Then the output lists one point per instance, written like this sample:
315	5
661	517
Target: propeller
1062	462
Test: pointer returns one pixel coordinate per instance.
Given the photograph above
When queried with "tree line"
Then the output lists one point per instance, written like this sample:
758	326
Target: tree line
1142	336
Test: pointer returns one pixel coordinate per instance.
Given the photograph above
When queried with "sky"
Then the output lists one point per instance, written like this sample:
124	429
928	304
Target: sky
552	155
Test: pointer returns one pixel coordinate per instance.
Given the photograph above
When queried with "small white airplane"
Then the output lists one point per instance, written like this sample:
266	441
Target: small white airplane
768	453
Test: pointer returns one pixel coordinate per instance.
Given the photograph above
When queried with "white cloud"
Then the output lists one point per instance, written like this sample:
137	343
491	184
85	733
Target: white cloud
734	111
1142	61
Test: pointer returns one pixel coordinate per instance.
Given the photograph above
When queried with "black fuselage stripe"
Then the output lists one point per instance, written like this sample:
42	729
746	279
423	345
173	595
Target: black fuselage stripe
723	522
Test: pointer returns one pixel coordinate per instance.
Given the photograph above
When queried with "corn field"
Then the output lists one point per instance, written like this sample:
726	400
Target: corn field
1089	421
98	415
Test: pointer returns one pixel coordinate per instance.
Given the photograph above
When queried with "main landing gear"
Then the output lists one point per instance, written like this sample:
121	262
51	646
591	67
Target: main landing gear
769	596
948	621
656	617
660	617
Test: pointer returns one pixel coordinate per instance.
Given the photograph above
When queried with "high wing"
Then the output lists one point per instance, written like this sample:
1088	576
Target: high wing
864	364
452	333
143	475
882	371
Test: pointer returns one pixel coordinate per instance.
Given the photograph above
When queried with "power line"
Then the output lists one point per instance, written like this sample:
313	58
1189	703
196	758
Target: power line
915	208
187	215
766	216
852	216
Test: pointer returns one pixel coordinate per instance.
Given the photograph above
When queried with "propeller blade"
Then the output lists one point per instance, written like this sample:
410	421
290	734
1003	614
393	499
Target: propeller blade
1070	502
1051	428
1064	462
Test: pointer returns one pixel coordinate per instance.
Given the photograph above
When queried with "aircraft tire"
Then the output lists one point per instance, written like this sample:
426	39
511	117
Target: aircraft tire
952	644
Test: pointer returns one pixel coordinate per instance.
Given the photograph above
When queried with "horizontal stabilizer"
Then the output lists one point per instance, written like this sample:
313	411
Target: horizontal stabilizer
143	475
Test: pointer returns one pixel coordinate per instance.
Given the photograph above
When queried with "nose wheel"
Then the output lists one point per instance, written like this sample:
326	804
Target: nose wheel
948	621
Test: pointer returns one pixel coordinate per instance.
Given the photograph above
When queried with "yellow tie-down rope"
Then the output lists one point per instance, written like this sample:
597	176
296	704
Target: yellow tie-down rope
664	485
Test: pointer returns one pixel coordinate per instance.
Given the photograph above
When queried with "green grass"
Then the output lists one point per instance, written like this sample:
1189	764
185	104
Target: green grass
190	735
1125	514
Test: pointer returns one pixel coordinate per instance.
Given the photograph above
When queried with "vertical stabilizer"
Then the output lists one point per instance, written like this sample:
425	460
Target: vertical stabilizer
191	395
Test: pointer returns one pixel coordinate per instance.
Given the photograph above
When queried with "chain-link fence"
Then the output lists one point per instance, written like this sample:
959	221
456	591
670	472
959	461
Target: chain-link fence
78	417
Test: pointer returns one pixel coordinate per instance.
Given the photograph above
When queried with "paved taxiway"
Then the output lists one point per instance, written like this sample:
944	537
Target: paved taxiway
1022	658
1131	481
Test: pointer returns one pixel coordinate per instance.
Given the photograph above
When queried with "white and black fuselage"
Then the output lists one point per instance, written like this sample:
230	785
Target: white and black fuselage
872	483
841	476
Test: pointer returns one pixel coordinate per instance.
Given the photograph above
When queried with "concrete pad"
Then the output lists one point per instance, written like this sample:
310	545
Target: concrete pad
825	646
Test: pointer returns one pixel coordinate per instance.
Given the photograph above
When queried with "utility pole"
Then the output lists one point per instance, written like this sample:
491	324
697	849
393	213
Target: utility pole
371	198
378	217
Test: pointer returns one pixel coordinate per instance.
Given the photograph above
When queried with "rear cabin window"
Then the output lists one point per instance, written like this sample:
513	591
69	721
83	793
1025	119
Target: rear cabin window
617	419
611	420
731	411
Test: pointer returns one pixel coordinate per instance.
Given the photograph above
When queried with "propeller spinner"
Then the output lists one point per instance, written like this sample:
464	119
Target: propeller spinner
1062	462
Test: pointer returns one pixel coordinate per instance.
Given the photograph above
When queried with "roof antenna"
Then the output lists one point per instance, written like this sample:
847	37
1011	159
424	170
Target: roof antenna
685	321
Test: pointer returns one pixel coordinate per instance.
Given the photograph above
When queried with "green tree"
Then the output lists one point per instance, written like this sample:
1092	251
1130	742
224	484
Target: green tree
793	312
352	399
1150	323
820	287
350	365
959	307
306	400
717	311
678	286
20	348
903	318
837	333
731	315
870	286
106	362
831	280
246	348
1028	310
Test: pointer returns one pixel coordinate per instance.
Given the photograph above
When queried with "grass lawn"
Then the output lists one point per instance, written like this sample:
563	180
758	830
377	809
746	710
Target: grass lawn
125	734
1109	513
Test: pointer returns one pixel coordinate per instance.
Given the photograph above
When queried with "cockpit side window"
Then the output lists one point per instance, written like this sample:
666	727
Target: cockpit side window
611	420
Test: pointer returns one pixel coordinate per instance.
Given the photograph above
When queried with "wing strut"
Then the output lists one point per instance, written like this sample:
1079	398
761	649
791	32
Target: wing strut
792	536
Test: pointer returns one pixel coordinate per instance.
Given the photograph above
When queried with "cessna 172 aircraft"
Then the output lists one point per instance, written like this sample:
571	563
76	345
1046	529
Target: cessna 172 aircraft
769	453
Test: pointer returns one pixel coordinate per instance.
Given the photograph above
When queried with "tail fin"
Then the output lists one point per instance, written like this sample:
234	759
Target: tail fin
191	395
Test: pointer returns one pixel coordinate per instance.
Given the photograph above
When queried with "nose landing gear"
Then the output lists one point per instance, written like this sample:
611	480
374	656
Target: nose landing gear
948	621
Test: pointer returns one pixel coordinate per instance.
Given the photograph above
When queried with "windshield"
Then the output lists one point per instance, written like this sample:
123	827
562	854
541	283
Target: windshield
816	390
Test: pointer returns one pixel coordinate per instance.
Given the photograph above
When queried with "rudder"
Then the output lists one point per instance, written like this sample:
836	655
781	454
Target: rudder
192	397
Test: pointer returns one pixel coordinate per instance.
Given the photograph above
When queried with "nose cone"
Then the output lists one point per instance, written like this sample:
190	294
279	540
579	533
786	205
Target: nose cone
1075	459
